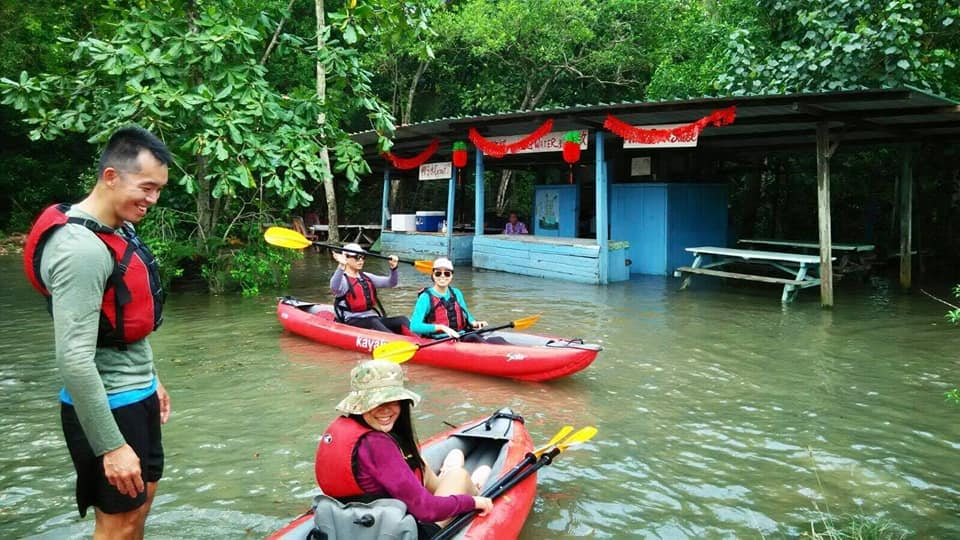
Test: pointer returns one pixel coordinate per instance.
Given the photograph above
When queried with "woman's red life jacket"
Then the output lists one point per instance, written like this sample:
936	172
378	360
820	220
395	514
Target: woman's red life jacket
335	463
132	305
361	296
448	312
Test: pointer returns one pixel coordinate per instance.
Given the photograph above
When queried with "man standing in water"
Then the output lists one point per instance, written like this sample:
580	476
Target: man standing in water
103	291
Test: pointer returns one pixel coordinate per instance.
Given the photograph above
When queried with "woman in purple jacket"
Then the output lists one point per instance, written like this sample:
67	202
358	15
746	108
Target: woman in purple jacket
371	452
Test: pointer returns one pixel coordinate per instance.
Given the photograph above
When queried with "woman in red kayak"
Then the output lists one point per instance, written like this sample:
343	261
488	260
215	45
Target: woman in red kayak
371	453
441	310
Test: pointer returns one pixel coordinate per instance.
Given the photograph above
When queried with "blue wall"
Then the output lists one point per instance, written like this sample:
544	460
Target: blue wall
660	220
564	201
411	245
567	259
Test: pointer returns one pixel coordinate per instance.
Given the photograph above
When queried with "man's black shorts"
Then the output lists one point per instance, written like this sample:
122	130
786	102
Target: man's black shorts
140	425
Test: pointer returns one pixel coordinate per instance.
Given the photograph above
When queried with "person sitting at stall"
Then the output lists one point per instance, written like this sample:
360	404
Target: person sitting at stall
442	311
514	225
355	291
371	452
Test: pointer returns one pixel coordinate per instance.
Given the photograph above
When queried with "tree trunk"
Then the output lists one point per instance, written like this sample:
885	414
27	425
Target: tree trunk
333	232
530	101
505	177
407	117
204	194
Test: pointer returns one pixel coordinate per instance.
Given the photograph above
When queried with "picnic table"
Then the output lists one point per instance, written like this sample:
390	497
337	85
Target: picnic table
852	257
803	270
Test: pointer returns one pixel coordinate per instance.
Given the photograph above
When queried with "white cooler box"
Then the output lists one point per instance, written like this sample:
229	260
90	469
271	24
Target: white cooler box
403	222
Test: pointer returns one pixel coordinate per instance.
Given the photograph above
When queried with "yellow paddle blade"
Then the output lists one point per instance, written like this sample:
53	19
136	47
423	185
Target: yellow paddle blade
564	431
286	238
581	436
423	266
526	322
395	351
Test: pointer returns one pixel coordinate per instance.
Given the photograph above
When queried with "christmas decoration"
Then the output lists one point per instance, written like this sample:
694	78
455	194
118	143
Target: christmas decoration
459	159
459	154
495	150
571	149
684	133
415	161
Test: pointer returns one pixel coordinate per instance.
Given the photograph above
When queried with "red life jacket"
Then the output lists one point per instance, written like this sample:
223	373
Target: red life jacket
132	305
335	463
361	296
448	312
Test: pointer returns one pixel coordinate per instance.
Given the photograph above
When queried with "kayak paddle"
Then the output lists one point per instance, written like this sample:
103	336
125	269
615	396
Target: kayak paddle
291	239
561	438
401	351
503	484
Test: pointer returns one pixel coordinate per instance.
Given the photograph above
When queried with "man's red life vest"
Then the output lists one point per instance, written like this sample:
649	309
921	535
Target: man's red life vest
335	464
361	296
132	305
448	312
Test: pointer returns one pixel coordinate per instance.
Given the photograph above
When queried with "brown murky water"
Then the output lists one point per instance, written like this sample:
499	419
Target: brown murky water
722	414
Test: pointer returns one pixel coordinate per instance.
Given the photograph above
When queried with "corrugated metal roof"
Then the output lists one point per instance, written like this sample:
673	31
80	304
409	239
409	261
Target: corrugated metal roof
865	116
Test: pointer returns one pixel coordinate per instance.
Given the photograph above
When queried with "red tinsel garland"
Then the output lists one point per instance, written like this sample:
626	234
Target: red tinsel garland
495	150
415	161
684	133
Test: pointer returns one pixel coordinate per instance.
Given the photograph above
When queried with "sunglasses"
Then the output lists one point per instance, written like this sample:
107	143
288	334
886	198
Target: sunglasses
356	256
445	273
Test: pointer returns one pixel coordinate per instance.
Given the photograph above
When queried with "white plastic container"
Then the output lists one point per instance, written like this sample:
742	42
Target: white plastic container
403	222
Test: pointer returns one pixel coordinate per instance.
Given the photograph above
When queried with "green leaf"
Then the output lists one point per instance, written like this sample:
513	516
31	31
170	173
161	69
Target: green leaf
349	34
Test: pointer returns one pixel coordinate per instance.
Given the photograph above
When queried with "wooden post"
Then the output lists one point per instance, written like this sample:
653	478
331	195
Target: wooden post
601	218
478	205
906	219
824	152
386	200
451	197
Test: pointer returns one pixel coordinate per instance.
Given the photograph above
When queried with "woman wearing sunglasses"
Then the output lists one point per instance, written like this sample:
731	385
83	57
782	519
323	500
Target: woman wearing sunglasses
356	301
441	310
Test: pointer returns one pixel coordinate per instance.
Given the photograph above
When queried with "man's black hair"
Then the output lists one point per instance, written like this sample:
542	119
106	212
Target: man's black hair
126	144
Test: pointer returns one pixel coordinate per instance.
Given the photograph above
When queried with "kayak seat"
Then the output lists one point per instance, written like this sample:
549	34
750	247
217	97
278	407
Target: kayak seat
382	518
320	308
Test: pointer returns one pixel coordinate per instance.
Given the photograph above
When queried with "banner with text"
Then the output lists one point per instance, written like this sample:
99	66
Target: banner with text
551	142
441	170
673	142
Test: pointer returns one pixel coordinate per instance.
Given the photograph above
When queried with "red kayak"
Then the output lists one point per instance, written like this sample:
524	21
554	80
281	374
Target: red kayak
500	441
526	357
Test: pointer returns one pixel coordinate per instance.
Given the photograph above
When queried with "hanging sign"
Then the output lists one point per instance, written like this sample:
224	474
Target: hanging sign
441	170
551	142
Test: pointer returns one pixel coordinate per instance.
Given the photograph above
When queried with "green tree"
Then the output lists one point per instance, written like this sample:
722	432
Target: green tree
519	55
799	46
196	73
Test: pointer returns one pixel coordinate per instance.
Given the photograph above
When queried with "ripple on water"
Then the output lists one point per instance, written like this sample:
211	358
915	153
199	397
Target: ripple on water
721	412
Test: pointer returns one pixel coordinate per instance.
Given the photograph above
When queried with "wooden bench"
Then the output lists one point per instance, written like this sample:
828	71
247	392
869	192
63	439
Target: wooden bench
735	275
802	269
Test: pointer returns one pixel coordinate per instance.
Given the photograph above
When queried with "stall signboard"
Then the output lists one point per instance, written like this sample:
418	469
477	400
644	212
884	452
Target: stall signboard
441	170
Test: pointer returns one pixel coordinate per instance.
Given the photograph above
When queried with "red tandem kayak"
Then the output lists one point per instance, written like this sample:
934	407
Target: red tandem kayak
526	357
500	441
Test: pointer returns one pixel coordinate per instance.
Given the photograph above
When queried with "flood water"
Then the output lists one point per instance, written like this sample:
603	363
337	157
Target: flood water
721	413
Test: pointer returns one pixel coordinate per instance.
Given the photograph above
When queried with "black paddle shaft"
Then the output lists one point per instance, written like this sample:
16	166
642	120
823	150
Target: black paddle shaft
483	330
498	489
364	253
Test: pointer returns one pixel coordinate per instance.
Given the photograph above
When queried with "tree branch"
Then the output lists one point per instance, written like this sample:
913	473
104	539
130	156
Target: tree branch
276	34
942	301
